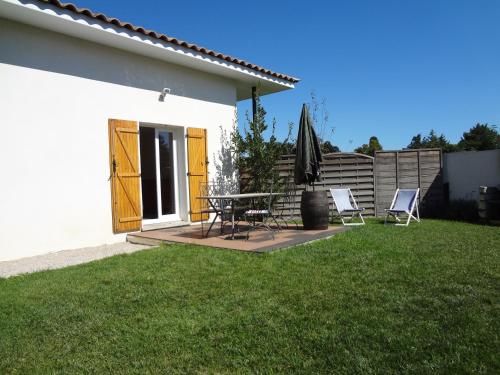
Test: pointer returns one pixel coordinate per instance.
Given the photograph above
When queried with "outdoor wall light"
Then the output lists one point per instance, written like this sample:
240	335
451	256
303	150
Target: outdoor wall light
164	92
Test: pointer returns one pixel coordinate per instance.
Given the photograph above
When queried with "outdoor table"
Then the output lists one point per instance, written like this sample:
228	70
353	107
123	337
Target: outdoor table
232	198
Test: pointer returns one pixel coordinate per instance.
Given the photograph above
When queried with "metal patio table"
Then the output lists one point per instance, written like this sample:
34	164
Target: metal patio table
231	198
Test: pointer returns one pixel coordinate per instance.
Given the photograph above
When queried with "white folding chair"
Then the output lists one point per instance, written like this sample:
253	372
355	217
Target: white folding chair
405	202
342	199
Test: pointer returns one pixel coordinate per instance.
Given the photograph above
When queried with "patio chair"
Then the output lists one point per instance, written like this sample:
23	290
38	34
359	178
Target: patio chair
220	207
286	205
405	202
251	215
342	199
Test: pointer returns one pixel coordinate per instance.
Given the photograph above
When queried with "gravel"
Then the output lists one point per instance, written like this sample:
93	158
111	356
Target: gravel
65	258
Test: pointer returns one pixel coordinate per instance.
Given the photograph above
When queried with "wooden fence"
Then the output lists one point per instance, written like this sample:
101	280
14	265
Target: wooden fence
409	169
340	169
373	181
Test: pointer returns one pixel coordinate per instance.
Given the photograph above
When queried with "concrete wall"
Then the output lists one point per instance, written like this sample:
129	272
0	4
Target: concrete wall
466	171
57	94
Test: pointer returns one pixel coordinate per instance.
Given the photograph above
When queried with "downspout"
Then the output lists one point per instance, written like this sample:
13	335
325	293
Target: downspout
254	104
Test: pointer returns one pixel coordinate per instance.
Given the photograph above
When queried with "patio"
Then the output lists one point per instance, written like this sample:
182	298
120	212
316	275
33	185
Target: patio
260	240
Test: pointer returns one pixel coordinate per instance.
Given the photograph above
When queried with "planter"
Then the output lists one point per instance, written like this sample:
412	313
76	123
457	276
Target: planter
314	209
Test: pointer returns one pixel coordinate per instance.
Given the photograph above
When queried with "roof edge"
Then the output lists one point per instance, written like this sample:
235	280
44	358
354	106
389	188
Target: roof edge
165	38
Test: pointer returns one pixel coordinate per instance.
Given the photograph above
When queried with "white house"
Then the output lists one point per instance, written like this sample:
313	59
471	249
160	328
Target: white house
106	127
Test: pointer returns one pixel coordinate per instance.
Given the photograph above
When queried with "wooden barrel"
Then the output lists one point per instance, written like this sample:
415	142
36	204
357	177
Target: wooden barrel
314	209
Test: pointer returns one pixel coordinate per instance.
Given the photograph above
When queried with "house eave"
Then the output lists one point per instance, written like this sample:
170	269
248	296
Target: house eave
50	17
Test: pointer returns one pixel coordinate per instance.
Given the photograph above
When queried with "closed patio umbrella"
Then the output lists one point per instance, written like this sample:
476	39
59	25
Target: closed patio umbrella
313	204
308	154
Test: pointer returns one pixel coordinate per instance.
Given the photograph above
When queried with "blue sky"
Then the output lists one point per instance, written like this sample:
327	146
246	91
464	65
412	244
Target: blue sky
386	68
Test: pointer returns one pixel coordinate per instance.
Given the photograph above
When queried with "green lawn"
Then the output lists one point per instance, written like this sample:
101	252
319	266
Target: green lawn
377	299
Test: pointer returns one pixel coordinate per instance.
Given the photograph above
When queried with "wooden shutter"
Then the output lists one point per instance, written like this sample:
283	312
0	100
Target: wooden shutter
125	176
197	169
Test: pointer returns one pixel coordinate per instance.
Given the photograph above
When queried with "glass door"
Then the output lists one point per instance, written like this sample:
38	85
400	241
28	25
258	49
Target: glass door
159	182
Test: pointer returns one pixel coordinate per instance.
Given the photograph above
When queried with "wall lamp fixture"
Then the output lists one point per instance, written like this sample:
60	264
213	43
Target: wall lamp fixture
164	93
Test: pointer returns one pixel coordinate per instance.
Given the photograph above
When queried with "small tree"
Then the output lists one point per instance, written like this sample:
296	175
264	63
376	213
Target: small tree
257	156
480	137
226	173
370	148
320	117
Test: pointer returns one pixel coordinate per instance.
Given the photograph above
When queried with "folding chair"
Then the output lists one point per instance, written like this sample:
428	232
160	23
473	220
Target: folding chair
250	216
342	199
405	201
285	204
219	207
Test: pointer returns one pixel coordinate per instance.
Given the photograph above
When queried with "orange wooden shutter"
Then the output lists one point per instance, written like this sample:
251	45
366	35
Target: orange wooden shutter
125	176
197	169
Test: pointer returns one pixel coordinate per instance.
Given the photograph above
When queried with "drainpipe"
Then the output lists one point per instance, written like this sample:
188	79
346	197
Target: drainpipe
254	103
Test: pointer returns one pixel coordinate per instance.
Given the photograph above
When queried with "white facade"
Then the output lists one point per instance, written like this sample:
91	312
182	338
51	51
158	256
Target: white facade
466	171
57	94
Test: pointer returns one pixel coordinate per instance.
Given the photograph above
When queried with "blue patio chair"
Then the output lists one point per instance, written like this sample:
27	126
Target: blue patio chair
405	202
342	199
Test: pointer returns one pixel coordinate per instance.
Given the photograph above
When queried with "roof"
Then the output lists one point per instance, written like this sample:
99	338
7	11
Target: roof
153	34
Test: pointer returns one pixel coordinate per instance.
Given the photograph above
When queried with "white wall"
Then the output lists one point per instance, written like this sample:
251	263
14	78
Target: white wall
466	171
57	94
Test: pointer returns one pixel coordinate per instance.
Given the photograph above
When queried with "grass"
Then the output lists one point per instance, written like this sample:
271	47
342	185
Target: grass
375	300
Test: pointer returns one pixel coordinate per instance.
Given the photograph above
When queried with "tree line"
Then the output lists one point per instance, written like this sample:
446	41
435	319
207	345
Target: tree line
479	138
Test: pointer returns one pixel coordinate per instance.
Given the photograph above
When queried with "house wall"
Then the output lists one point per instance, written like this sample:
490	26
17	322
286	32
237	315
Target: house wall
57	94
466	171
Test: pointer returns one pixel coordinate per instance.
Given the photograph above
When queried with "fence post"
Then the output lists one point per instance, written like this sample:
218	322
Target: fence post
374	165
418	176
397	169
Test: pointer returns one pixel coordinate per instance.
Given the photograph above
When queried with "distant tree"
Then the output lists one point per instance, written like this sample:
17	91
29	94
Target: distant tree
416	142
480	137
431	141
435	141
288	147
370	148
327	147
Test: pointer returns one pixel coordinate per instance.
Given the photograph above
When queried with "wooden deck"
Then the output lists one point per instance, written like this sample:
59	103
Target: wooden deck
260	240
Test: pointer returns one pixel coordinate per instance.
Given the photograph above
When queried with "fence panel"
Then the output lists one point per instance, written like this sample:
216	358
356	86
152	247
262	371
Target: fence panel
340	169
409	169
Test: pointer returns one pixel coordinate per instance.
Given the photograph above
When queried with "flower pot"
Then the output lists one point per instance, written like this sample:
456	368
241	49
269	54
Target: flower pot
314	209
